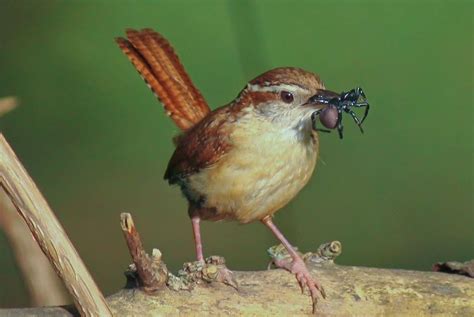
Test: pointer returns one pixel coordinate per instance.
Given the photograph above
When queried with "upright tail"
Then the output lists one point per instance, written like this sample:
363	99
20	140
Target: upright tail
157	63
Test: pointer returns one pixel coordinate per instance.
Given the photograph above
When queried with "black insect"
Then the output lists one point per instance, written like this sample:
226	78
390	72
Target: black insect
331	115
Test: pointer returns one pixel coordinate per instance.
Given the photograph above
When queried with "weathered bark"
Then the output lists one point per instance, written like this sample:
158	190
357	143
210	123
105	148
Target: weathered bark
49	234
454	267
352	291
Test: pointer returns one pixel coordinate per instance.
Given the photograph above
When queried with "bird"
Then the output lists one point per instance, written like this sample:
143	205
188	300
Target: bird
243	161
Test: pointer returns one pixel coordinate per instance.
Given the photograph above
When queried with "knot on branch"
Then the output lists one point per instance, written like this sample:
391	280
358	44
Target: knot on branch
213	269
326	253
453	267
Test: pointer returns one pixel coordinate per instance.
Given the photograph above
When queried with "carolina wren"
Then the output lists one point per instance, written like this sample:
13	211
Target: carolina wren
248	159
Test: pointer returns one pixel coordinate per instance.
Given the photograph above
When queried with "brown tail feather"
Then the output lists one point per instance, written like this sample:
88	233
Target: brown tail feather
155	60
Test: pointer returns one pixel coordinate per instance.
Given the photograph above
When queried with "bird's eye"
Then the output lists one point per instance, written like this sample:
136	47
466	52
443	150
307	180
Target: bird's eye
286	96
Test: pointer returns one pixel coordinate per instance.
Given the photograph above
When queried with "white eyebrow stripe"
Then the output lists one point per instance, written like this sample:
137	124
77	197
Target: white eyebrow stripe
276	88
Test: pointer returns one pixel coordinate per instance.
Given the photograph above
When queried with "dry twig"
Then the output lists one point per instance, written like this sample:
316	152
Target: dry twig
49	234
44	286
7	104
152	273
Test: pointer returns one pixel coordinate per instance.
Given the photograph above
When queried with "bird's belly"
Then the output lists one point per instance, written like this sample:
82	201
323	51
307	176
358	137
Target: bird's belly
254	181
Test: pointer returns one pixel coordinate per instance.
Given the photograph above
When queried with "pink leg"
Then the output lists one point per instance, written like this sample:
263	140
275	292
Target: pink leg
224	275
297	267
197	237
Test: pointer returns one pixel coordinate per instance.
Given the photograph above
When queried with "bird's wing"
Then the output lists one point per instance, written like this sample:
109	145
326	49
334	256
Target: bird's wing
204	145
157	63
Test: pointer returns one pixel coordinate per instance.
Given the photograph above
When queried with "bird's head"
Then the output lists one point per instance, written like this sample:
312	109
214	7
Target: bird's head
295	98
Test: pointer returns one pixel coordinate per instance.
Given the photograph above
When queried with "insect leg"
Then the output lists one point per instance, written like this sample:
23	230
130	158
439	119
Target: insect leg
340	127
360	105
356	120
367	106
361	93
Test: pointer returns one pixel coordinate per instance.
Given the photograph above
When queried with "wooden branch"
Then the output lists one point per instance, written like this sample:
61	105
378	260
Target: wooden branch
49	234
352	291
44	286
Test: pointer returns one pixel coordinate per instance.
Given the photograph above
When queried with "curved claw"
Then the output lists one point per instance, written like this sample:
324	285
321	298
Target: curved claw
301	282
227	277
305	279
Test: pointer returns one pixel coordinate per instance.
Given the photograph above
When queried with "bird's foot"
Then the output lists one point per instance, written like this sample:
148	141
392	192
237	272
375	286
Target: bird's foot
212	269
298	267
304	278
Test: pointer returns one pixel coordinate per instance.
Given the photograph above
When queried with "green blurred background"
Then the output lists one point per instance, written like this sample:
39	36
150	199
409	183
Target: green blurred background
97	142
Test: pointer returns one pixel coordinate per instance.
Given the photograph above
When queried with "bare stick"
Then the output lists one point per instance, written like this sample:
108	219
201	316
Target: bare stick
7	104
151	271
49	234
44	286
